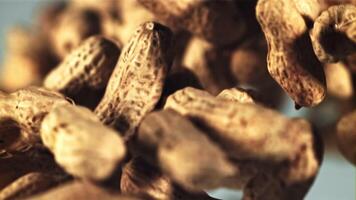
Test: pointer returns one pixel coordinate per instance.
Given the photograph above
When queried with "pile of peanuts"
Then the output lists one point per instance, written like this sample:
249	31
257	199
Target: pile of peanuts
166	99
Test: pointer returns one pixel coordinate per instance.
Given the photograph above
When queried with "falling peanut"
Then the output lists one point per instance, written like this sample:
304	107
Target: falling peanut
216	21
334	33
90	64
80	143
31	184
245	131
346	136
167	132
291	61
136	84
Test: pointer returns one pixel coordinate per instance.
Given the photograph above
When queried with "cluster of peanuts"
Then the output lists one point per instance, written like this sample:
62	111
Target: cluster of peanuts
166	99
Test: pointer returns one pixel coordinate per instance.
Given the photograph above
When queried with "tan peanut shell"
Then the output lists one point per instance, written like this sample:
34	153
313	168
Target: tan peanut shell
291	61
80	143
339	80
334	33
142	179
184	153
237	95
346	136
72	27
77	190
245	131
291	180
26	108
31	184
89	65
136	84
216	21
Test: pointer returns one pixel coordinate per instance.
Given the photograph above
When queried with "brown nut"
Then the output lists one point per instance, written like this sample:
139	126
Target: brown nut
290	180
183	152
26	108
245	131
31	184
346	136
142	179
77	190
73	26
216	21
210	64
291	61
27	61
80	143
334	33
339	80
136	84
88	65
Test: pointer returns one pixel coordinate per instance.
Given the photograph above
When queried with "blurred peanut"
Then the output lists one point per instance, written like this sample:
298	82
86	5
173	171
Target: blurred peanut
339	80
31	184
80	143
178	146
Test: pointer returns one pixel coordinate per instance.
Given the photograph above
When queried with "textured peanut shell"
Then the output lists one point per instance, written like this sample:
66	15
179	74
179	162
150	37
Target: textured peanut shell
80	143
136	84
245	131
184	153
26	109
346	136
77	190
90	65
31	184
140	178
290	60
334	33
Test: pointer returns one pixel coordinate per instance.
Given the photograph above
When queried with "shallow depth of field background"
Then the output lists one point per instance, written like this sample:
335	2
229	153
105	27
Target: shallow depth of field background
336	179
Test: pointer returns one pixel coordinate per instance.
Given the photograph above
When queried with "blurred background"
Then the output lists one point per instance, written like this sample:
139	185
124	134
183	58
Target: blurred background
336	179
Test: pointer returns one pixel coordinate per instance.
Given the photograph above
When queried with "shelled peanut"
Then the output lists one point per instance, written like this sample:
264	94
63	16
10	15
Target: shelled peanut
167	114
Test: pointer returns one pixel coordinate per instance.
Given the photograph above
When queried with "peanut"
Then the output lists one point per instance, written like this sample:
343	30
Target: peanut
245	131
90	65
140	178
333	34
339	80
91	150
31	184
209	64
136	84
290	180
26	108
346	136
72	27
28	59
166	132
216	21
76	190
291	61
